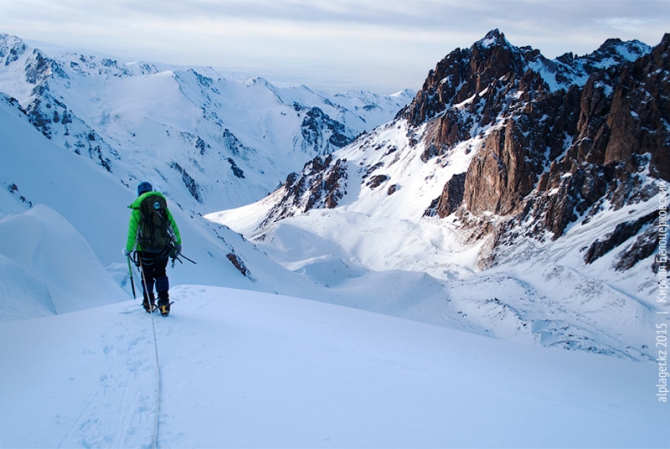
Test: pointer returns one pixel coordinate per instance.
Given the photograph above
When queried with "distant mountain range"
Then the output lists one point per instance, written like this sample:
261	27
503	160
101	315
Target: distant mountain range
513	196
222	142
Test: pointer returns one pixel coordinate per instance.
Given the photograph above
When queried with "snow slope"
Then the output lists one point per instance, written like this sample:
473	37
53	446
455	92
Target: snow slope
44	245
59	209
427	269
242	369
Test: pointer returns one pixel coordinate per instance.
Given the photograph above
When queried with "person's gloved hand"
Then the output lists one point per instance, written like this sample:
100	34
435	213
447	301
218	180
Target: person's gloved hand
126	252
177	247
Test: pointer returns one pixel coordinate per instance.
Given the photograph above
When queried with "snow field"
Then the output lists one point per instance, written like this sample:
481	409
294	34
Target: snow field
83	379
246	369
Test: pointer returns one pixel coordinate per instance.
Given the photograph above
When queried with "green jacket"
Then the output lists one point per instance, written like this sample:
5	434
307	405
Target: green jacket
135	223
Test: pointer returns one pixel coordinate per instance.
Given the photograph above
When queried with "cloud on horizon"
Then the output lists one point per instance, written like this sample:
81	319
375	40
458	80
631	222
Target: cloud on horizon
328	44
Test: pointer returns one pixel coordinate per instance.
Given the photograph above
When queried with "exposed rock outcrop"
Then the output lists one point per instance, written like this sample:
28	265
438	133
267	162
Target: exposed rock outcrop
321	184
622	232
452	196
556	141
551	154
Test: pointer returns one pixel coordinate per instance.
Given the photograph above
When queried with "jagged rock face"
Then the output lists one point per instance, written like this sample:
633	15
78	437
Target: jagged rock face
617	138
504	173
321	132
478	87
621	233
459	76
558	140
640	109
452	196
322	184
554	155
644	246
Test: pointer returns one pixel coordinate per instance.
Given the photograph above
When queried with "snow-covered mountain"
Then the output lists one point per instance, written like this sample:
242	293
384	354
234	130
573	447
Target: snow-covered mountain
526	188
499	201
398	221
64	218
208	141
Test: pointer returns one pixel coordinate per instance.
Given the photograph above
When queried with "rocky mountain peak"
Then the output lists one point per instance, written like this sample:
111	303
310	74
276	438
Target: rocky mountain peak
618	51
11	48
552	158
494	42
555	142
464	73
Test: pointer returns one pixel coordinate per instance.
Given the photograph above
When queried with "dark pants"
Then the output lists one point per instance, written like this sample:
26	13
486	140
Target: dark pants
153	274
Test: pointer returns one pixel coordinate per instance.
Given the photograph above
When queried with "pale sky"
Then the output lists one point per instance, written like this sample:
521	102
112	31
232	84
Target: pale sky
333	45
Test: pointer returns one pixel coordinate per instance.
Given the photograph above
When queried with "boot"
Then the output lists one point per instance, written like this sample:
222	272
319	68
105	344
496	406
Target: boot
149	302
164	303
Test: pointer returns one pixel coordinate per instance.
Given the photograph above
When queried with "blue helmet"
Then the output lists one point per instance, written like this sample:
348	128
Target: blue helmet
144	187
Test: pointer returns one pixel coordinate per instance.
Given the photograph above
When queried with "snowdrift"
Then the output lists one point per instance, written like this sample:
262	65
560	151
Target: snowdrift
54	268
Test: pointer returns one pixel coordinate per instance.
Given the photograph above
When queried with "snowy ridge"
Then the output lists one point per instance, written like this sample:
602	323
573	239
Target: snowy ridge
569	69
208	141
